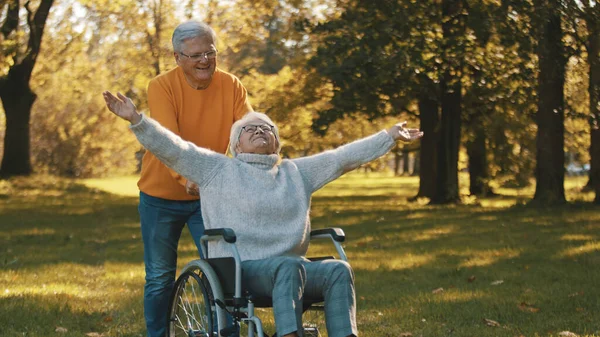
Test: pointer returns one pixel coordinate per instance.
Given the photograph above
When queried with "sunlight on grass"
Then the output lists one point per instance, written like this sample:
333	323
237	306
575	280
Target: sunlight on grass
580	250
457	295
124	186
34	231
433	233
577	237
373	260
486	258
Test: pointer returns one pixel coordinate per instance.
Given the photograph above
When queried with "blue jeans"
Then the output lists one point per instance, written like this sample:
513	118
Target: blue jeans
162	223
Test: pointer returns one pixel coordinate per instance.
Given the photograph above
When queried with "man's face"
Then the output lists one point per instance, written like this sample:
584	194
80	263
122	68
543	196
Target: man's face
198	72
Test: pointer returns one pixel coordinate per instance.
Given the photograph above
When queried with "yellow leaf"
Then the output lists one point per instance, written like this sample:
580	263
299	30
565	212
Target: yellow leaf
490	322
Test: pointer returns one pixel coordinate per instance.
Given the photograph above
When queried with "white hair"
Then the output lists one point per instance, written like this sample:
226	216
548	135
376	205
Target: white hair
236	130
189	30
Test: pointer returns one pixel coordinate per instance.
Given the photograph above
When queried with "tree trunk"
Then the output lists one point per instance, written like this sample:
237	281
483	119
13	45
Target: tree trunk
478	165
448	146
550	171
453	28
416	165
17	97
405	162
396	163
17	100
595	160
429	120
593	24
476	146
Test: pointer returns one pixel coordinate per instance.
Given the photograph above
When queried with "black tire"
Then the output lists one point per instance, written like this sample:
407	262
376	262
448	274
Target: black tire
191	311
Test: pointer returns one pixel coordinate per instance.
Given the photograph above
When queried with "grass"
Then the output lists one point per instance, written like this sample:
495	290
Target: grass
71	259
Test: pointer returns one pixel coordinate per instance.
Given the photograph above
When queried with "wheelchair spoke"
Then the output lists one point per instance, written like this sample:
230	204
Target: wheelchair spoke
191	313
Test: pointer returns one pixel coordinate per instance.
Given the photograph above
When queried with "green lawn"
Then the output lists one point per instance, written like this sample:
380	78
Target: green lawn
71	259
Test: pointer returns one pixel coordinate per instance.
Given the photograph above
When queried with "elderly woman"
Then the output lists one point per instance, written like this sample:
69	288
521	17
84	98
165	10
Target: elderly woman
266	201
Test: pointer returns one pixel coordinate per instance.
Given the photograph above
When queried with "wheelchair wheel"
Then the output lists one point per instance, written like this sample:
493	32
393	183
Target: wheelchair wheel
313	321
192	308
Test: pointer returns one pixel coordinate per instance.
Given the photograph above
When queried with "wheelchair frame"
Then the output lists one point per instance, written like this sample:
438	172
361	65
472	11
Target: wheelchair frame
240	307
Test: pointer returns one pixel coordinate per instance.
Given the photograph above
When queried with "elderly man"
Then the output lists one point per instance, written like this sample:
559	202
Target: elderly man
266	201
199	102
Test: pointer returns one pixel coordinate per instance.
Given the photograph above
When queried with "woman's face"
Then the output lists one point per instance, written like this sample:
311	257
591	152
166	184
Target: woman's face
257	137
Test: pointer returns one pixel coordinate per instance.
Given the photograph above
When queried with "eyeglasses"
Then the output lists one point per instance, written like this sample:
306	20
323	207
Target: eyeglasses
209	55
252	128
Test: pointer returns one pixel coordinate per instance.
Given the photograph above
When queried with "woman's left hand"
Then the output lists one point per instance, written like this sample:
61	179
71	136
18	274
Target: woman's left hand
399	132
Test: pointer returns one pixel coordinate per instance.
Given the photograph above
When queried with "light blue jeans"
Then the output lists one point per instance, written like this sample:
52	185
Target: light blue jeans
162	223
287	280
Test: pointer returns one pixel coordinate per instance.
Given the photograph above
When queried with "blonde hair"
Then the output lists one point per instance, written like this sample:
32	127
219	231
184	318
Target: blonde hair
236	130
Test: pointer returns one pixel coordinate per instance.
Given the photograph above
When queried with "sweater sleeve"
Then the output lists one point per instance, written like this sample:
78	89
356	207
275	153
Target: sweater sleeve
322	168
194	163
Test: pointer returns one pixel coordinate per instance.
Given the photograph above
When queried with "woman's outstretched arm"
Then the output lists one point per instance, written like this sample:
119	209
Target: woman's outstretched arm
327	166
194	163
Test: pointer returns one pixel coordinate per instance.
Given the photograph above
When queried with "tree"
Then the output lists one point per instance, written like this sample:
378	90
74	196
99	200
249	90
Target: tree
453	53
589	12
15	92
550	116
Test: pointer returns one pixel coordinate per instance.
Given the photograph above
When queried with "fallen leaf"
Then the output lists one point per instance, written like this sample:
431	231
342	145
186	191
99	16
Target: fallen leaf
576	294
61	329
490	322
567	334
437	291
471	278
528	307
497	282
108	319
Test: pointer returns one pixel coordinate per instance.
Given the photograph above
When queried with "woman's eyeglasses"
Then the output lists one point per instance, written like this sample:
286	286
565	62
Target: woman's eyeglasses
252	128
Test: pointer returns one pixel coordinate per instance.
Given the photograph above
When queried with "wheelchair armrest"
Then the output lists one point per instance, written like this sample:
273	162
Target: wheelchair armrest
226	233
336	234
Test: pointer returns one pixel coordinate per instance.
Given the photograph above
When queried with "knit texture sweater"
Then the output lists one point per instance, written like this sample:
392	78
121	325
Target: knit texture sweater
264	200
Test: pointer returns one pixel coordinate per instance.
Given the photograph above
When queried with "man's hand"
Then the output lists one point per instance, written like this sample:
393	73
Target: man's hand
399	132
192	188
122	106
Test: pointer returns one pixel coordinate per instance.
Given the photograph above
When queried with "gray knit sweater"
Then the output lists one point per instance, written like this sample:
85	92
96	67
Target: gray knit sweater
265	201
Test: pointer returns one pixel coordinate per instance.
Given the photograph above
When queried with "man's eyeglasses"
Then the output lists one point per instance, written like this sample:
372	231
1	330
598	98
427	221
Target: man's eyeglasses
252	128
209	55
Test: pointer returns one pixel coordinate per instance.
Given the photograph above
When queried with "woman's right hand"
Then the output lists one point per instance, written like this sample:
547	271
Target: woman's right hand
122	106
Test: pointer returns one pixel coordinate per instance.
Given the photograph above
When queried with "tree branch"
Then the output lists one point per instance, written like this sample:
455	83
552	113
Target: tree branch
37	23
11	23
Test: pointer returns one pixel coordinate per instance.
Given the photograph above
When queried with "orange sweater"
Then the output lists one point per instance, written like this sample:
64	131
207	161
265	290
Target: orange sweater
203	117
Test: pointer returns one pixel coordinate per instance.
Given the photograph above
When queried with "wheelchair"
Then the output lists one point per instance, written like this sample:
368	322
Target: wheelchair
209	300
